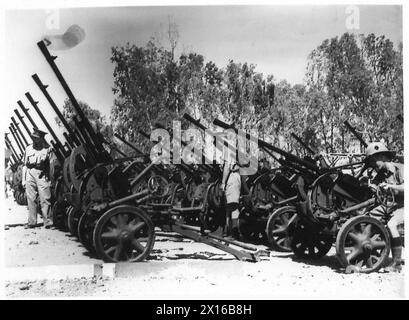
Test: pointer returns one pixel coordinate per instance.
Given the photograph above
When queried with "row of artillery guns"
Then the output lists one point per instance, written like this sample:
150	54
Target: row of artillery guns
115	205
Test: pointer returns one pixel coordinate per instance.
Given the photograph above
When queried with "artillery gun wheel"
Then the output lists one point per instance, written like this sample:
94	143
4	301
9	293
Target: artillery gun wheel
158	186
124	233
74	214
67	212
213	216
385	197
260	193
85	228
277	229
215	195
77	164
363	242
308	242
59	211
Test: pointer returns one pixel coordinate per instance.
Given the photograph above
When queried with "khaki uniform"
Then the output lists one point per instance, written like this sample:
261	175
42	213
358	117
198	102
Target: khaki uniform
232	191
233	186
396	178
38	183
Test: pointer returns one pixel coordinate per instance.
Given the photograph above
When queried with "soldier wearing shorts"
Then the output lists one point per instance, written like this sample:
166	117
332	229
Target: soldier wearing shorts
36	163
380	158
231	184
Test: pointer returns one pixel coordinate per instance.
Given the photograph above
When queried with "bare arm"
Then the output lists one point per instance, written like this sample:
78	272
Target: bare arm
24	171
397	188
225	173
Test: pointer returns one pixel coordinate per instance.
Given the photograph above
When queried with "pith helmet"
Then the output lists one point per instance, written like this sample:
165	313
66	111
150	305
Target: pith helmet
376	148
37	133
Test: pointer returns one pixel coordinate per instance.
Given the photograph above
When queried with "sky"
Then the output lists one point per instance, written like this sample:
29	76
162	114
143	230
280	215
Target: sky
277	39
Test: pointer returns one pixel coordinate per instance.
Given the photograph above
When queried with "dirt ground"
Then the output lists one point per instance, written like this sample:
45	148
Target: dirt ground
181	268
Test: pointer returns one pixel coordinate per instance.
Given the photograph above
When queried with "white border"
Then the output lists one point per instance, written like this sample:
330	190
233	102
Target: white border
29	4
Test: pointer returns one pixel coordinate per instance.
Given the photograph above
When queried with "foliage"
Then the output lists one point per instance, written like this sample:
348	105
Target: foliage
352	78
361	80
94	116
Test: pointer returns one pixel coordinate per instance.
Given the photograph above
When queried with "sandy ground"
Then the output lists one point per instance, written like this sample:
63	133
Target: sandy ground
181	268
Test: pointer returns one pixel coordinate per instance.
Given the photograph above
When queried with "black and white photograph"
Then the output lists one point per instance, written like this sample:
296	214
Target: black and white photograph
205	151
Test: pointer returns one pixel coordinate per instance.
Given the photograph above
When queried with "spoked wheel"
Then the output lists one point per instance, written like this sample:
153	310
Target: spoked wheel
74	214
67	212
309	243
59	211
363	242
124	233
85	228
277	229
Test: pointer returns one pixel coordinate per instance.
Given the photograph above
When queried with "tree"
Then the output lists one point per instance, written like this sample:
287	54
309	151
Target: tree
347	78
94	116
360	80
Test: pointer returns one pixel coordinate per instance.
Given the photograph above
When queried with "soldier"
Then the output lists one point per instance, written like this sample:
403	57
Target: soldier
389	176
35	178
231	184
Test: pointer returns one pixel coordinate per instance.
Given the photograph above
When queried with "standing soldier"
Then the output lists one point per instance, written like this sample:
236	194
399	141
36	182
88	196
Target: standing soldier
231	184
390	176
35	178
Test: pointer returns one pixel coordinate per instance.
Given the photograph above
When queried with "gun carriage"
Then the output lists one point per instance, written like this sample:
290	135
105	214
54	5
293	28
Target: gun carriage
114	204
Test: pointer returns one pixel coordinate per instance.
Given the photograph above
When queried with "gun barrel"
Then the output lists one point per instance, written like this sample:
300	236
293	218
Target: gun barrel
57	151
50	130
355	133
13	156
67	147
20	117
18	142
77	130
17	126
25	110
60	116
198	124
194	121
132	146
288	156
303	144
10	147
69	143
97	141
185	167
18	136
84	136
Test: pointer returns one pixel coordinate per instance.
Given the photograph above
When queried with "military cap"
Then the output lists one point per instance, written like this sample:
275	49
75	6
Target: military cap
37	133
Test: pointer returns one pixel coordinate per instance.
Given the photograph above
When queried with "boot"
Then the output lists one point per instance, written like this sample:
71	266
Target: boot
235	229
396	265
227	228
